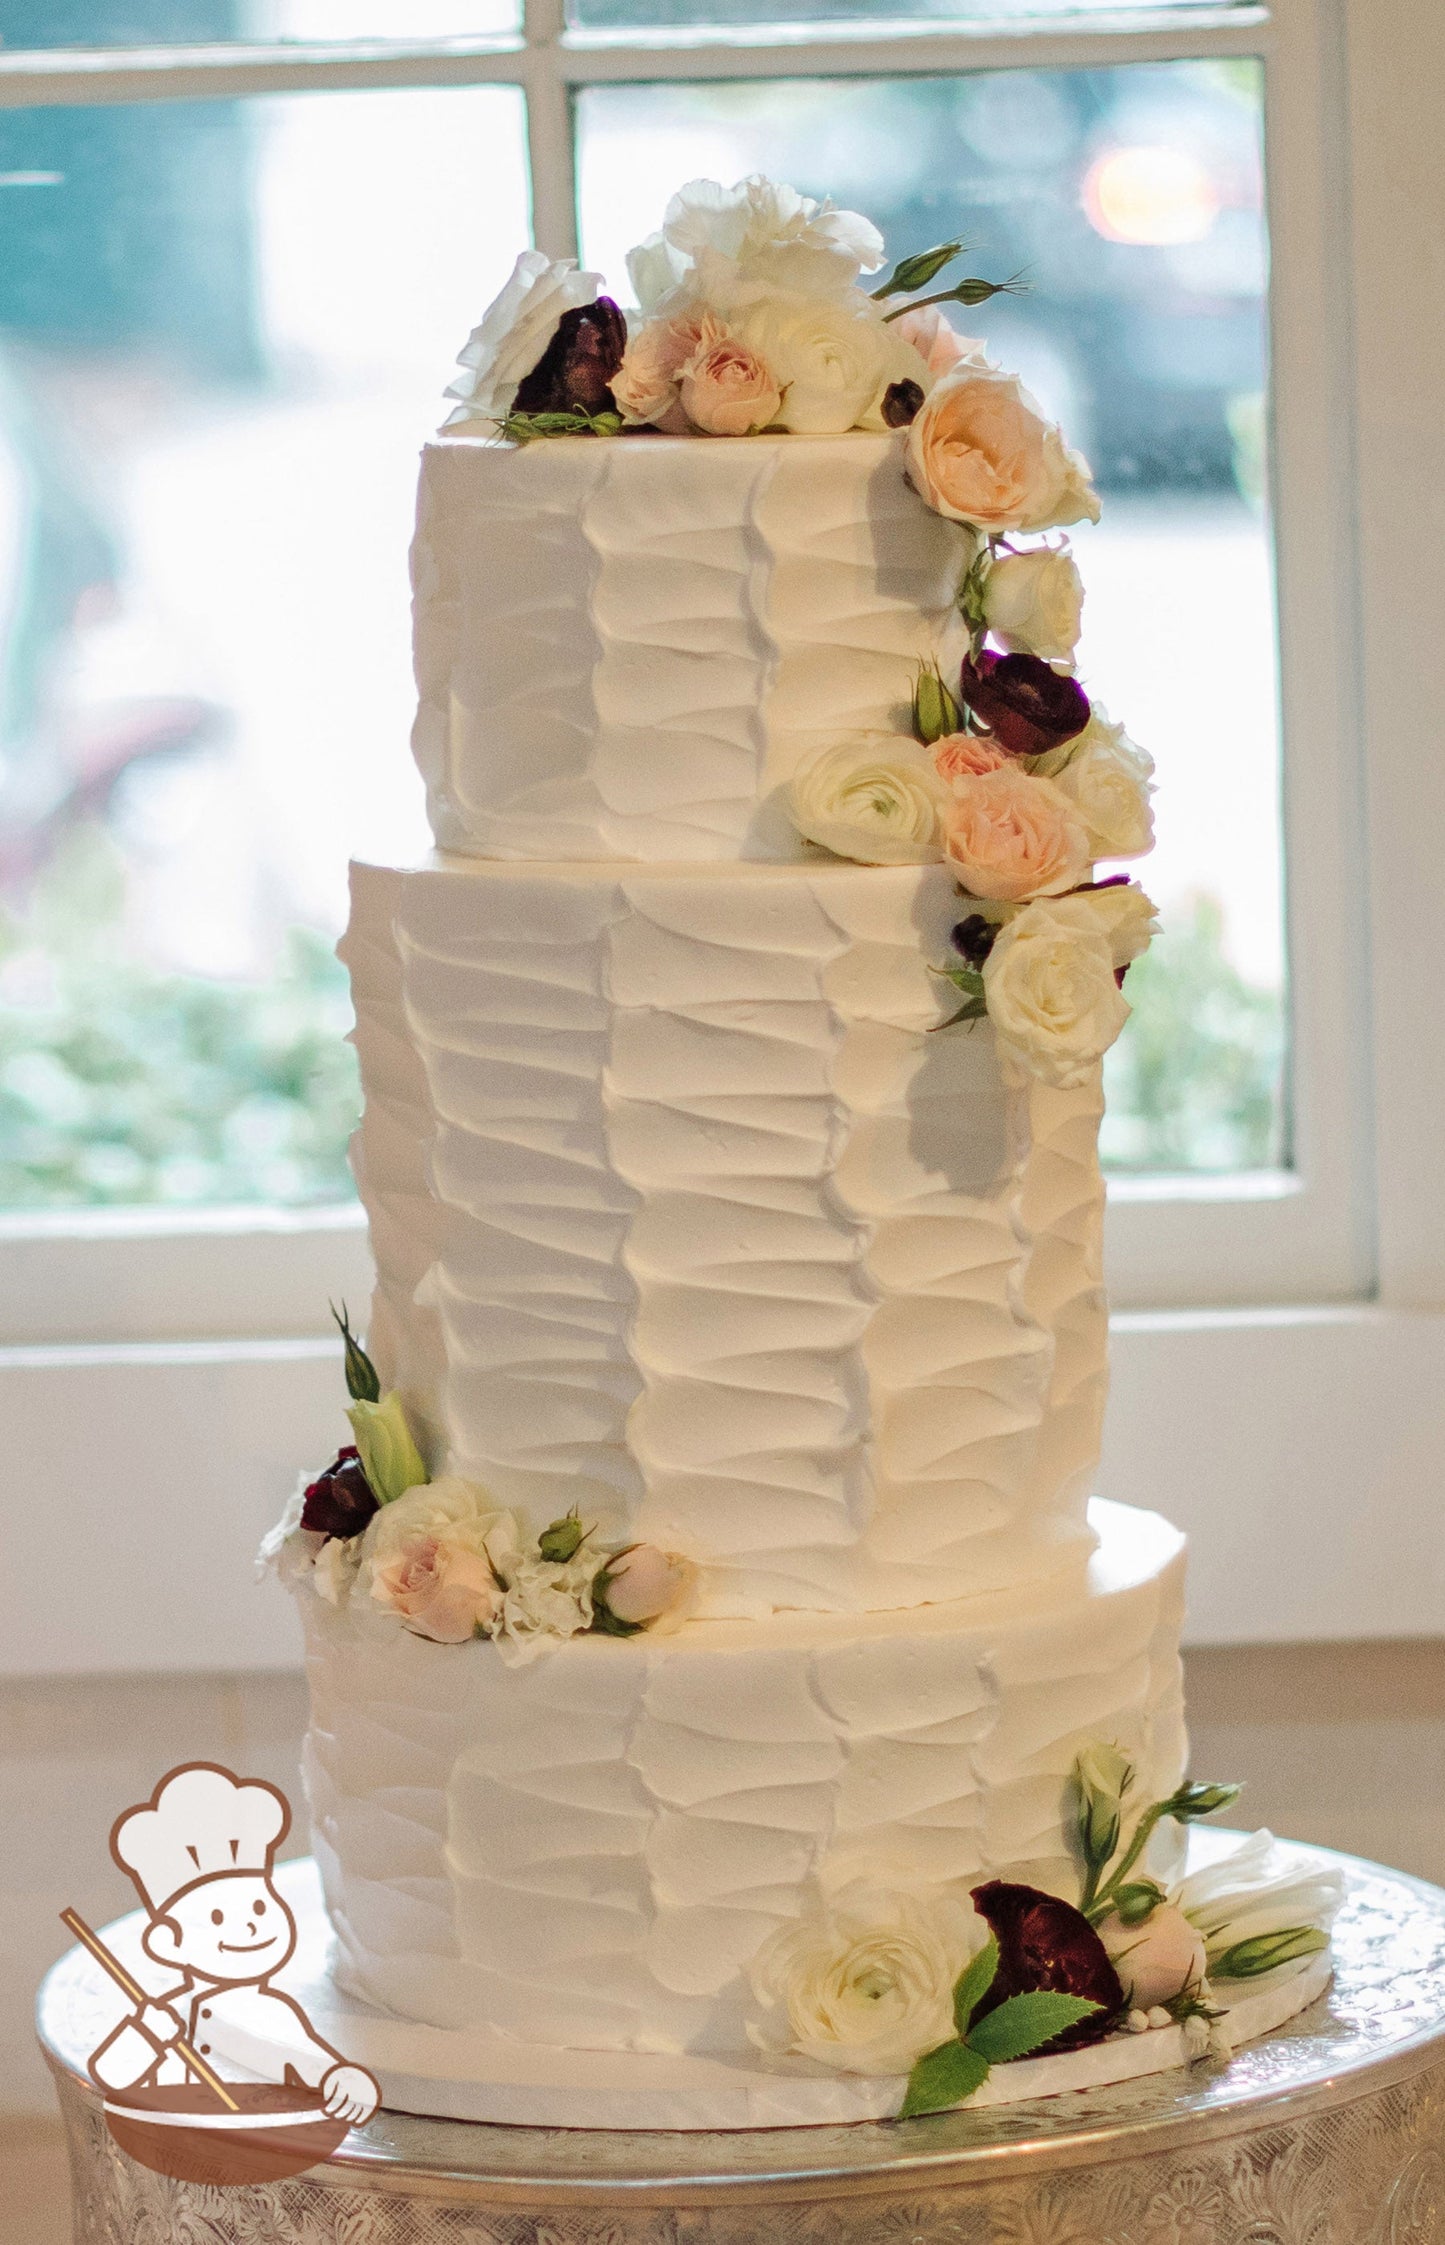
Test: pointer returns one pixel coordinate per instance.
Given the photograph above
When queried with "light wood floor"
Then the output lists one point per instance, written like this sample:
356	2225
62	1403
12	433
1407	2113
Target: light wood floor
34	2184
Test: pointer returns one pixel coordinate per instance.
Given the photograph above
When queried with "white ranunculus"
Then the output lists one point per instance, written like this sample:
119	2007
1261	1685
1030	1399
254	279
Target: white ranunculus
514	332
875	799
1033	603
1260	1887
1107	777
830	356
1050	989
866	1985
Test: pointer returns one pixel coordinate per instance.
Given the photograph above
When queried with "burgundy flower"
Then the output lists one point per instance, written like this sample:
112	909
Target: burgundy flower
574	373
340	1501
1046	1943
902	403
1027	705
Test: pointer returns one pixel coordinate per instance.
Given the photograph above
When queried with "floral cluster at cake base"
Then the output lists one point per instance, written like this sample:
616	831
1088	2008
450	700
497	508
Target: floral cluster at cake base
442	1560
943	1984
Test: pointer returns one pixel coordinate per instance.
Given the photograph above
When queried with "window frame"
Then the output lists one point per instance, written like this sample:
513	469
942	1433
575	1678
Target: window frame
1318	1298
1302	1234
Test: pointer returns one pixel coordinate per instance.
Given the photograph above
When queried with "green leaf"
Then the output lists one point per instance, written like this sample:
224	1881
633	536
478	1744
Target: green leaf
1263	1951
935	712
917	271
362	1384
975	1010
944	2077
521	428
973	1984
1026	2023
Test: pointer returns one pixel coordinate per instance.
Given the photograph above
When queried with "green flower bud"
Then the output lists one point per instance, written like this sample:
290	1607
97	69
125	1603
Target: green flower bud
1137	1901
1102	1776
917	271
362	1384
1263	1951
1192	1801
562	1540
935	712
390	1459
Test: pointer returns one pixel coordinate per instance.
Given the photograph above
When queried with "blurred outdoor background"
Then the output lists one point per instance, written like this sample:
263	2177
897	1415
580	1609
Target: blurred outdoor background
224	332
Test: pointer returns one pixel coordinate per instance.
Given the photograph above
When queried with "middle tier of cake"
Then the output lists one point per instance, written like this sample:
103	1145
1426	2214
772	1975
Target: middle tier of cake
685	1217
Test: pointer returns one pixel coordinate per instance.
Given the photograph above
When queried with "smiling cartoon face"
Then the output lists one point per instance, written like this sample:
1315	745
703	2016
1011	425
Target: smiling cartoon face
231	1928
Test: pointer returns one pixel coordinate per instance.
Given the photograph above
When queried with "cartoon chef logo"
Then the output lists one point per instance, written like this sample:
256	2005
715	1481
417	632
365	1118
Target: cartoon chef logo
218	2076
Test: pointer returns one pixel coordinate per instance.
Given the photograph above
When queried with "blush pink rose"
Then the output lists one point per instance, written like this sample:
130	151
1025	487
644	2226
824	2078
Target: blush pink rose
644	1583
439	1588
1010	837
980	451
645	385
938	344
959	756
726	389
1156	1960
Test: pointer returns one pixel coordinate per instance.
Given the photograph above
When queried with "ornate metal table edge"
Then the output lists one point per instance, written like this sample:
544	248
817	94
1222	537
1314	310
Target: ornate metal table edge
1329	2132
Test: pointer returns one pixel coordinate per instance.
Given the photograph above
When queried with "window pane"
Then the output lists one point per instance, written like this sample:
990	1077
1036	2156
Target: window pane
223	333
612	14
1130	199
153	23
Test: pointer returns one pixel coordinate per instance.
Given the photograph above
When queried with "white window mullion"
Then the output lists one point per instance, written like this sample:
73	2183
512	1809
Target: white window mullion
551	137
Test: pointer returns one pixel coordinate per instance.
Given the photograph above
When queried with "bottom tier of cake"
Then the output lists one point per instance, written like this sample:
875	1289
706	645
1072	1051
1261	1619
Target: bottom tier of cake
587	1852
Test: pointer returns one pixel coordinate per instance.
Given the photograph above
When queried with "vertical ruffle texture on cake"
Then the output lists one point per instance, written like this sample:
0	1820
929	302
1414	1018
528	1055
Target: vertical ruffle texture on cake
589	1851
725	1247
624	650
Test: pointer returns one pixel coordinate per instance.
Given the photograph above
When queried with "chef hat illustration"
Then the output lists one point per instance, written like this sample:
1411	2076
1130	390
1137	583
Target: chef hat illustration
199	1822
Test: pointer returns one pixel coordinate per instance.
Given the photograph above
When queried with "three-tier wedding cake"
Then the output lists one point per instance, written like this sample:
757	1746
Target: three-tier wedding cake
716	1655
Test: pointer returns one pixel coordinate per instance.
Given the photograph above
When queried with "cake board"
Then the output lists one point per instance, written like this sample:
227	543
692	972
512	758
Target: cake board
1329	2131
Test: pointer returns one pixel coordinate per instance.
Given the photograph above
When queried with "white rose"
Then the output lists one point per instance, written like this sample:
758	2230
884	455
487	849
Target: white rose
460	1511
830	356
875	799
1050	989
1033	603
514	332
1107	777
866	1985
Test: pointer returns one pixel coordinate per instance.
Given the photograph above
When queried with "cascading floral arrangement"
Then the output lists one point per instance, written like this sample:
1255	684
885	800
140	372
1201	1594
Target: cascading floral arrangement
441	1560
755	317
943	1984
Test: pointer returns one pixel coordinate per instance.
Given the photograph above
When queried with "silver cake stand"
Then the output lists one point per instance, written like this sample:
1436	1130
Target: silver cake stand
1330	2132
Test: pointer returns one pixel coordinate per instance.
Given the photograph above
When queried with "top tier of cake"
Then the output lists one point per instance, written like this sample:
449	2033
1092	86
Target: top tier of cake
625	649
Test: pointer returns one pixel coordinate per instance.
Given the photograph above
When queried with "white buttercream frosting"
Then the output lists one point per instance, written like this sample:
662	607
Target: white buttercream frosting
683	1215
587	1852
624	649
